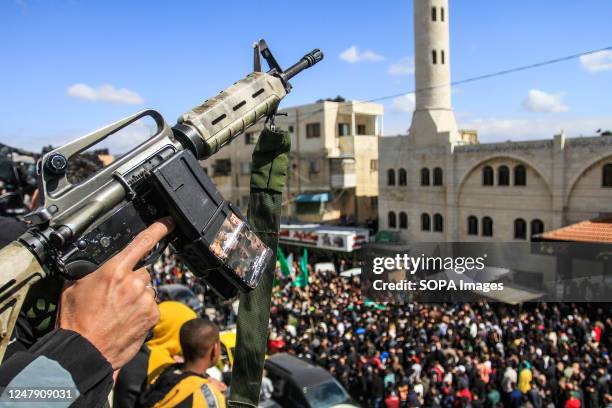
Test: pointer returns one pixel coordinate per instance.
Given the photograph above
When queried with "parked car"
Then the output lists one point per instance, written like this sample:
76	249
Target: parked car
180	293
301	384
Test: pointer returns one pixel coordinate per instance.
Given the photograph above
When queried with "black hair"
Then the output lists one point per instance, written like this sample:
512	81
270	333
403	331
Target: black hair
197	337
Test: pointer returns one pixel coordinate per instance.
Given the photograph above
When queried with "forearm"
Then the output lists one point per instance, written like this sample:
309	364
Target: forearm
62	360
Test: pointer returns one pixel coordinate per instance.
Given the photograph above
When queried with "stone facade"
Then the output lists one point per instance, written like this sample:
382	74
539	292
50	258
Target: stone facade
550	183
334	150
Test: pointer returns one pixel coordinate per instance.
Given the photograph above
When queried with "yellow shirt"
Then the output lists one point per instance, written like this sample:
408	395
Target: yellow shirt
192	392
524	382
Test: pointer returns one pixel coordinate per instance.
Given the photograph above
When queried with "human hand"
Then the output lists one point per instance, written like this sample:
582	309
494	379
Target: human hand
115	306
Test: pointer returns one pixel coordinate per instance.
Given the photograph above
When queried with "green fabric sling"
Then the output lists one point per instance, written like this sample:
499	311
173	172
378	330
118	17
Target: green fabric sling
268	177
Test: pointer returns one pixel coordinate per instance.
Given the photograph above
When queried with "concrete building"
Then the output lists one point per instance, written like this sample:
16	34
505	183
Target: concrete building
333	163
439	184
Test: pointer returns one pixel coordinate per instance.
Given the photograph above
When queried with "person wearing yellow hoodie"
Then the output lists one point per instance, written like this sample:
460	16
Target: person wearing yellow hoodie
186	384
154	356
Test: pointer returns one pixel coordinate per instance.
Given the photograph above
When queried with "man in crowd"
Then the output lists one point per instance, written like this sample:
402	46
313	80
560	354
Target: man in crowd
186	384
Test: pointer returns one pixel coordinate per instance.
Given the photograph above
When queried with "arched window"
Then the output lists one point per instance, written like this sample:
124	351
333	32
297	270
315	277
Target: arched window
391	220
441	56
520	175
403	179
425	222
438	178
390	177
606	179
472	225
438	223
520	229
403	220
537	227
433	14
487	227
487	176
434	57
441	13
424	176
503	176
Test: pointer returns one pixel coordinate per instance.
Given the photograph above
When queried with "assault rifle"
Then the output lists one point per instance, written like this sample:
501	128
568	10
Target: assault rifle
79	226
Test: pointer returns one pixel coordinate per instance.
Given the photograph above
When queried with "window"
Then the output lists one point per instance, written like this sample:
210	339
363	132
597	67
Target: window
606	180
487	176
391	220
222	167
424	176
437	177
441	56
314	166
537	227
291	129
441	13
313	130
425	222
520	229
390	177
205	170
520	175
487	227
244	202
438	223
374	201
361	129
403	179
249	138
472	225
434	57
503	176
433	14
374	164
343	129
403	220
245	168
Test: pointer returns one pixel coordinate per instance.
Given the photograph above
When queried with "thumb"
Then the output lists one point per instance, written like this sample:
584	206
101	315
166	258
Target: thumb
144	242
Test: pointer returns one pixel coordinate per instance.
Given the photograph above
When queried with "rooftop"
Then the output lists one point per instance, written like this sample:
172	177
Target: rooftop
595	231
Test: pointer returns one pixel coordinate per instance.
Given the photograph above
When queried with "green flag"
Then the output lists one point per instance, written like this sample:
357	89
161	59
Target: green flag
284	265
302	279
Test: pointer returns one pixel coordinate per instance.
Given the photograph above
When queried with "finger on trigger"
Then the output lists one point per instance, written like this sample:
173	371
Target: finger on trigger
145	241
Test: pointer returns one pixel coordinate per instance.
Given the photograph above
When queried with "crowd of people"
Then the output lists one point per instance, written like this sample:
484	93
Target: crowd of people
446	355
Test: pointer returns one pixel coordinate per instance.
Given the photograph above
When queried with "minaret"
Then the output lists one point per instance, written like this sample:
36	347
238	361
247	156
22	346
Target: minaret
433	121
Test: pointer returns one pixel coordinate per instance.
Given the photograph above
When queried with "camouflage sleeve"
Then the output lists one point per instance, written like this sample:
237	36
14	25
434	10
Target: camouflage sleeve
270	166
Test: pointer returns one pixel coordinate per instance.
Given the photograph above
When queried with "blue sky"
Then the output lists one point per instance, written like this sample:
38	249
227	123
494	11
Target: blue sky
172	55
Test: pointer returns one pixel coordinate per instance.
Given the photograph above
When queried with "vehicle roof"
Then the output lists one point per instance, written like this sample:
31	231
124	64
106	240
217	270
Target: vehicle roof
303	373
174	287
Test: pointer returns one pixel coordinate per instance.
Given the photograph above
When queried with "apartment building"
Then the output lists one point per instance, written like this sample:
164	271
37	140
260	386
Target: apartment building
333	170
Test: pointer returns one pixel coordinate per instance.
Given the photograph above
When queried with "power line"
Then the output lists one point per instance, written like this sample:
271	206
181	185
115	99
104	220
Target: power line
475	78
498	73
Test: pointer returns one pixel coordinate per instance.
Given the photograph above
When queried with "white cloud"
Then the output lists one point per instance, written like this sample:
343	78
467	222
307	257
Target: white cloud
104	93
540	101
404	103
405	66
353	55
502	129
598	61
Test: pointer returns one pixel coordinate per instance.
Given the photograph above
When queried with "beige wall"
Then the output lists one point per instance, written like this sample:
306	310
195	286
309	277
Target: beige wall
354	200
563	185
